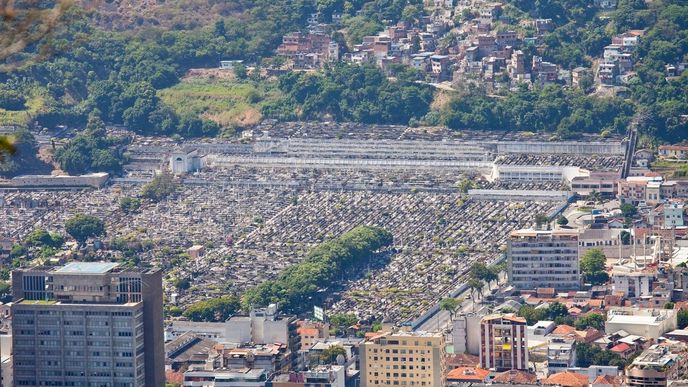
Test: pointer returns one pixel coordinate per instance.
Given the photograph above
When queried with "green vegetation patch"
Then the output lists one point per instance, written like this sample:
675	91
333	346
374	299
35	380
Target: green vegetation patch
227	102
298	287
34	103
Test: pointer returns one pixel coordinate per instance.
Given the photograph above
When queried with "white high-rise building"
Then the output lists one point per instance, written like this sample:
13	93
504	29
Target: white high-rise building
544	259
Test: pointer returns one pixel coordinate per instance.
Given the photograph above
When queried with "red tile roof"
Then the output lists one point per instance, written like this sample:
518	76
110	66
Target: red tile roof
620	348
467	374
567	379
516	377
463	359
588	335
563	329
308	331
607	379
673	147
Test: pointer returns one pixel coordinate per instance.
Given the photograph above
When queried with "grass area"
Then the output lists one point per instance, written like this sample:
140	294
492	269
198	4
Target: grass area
229	102
39	302
671	169
34	104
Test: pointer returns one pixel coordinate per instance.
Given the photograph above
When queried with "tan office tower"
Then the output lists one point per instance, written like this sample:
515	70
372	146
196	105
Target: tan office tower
503	343
88	324
403	359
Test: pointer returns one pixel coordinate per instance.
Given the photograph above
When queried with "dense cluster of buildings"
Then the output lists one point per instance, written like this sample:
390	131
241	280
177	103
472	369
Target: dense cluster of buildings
616	65
477	50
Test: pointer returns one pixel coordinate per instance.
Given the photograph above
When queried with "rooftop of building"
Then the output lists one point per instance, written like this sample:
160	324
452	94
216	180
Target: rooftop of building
655	356
86	268
186	347
563	329
607	379
98	304
509	317
244	373
674	147
678	333
535	233
641	320
516	377
404	334
621	348
463	360
567	379
468	374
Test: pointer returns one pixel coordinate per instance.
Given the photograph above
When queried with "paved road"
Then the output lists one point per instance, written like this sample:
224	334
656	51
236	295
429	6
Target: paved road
440	321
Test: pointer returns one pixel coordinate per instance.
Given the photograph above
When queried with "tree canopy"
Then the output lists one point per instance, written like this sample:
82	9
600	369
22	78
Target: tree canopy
590	354
297	288
592	266
162	186
81	227
451	305
214	309
354	93
592	320
90	151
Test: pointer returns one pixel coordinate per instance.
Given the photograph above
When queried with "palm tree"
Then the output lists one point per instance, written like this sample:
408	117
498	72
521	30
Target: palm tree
475	285
451	305
6	147
595	196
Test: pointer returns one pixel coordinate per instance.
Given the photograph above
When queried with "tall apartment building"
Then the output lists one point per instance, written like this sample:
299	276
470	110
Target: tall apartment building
88	324
544	259
503	343
404	359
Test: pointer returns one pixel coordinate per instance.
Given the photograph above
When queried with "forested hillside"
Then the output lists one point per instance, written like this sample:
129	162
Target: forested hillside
118	62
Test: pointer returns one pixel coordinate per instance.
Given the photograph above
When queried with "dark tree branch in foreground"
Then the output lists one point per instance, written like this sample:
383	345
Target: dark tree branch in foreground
25	22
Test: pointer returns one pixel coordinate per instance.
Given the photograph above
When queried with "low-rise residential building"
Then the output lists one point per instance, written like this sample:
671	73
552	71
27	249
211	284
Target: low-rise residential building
673	151
322	376
544	72
466	376
605	183
673	214
311	332
567	379
633	283
646	322
260	326
561	354
607	73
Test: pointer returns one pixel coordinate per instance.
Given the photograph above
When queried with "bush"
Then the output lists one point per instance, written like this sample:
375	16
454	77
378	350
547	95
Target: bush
129	205
11	100
160	187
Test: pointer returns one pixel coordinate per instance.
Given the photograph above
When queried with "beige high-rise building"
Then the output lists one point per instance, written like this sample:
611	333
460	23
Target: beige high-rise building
503	343
403	359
